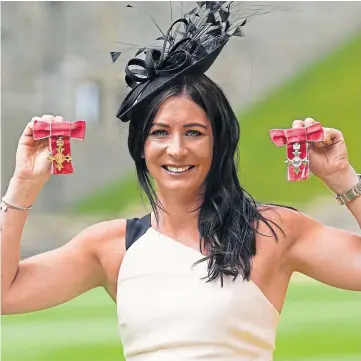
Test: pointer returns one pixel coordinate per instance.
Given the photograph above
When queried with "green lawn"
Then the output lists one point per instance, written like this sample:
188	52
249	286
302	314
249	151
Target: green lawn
318	323
328	90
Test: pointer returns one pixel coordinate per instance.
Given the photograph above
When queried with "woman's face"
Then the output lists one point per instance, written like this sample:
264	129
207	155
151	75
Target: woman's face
178	150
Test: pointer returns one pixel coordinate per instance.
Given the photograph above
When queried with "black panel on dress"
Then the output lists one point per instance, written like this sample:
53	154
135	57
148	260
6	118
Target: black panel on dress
136	227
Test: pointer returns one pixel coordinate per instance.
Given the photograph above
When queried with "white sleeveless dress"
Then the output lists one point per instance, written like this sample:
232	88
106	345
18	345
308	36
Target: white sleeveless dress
166	312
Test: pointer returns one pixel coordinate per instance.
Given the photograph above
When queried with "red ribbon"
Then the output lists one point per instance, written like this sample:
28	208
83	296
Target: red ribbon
298	165
59	134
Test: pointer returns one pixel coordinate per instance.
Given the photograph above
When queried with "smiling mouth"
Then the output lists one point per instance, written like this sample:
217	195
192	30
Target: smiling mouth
182	169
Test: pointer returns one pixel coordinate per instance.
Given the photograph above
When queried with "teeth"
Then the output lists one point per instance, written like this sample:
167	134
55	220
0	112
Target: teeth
177	170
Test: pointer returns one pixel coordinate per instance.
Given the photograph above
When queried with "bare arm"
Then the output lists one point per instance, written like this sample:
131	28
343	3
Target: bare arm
12	226
329	255
53	277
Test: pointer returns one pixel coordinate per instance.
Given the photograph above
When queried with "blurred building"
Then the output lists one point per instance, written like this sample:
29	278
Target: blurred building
55	60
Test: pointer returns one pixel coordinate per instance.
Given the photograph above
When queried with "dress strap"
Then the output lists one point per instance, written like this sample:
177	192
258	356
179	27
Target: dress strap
136	227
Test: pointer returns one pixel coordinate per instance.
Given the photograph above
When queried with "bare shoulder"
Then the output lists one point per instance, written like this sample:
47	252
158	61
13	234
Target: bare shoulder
286	222
291	226
106	241
99	234
104	231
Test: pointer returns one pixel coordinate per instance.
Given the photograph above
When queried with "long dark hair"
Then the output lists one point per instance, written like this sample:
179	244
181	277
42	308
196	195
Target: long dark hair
228	216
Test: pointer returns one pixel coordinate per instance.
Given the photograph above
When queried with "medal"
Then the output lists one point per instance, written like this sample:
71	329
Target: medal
59	134
297	141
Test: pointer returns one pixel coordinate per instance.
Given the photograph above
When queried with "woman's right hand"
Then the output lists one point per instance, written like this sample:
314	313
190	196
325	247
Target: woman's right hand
32	164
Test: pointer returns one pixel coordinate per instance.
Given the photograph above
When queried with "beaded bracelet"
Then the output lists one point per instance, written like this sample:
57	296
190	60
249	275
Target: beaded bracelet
5	205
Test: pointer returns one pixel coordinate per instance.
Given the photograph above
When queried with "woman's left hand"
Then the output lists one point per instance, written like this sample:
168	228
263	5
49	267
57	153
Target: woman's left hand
328	159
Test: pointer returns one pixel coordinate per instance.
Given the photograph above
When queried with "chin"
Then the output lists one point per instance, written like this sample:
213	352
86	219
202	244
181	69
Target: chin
180	187
184	184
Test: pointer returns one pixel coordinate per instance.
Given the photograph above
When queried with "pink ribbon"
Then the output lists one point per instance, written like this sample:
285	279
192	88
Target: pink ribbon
296	140
59	134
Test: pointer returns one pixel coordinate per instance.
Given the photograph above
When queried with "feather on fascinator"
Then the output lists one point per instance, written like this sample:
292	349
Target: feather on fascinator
191	44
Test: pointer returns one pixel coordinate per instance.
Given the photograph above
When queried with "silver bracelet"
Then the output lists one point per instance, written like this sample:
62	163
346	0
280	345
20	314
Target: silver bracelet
5	205
350	195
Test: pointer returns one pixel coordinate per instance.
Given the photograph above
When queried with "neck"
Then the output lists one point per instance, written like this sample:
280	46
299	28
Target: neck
181	212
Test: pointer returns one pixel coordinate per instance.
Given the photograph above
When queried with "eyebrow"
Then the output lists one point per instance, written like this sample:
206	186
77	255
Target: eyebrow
188	125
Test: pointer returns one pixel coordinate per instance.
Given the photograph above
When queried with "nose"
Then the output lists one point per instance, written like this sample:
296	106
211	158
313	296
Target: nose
176	147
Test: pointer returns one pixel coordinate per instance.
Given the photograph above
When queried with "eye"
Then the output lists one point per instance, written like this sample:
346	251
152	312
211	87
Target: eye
193	133
159	132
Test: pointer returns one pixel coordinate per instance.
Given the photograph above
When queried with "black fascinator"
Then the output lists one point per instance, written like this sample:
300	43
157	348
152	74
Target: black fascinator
191	44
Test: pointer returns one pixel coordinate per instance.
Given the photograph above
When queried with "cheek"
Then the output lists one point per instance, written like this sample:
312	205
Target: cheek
152	148
152	152
205	152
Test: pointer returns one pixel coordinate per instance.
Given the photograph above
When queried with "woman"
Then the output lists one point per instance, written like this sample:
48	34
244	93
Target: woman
206	274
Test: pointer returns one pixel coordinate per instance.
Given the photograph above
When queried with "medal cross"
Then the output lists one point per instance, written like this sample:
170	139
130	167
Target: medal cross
297	161
59	158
